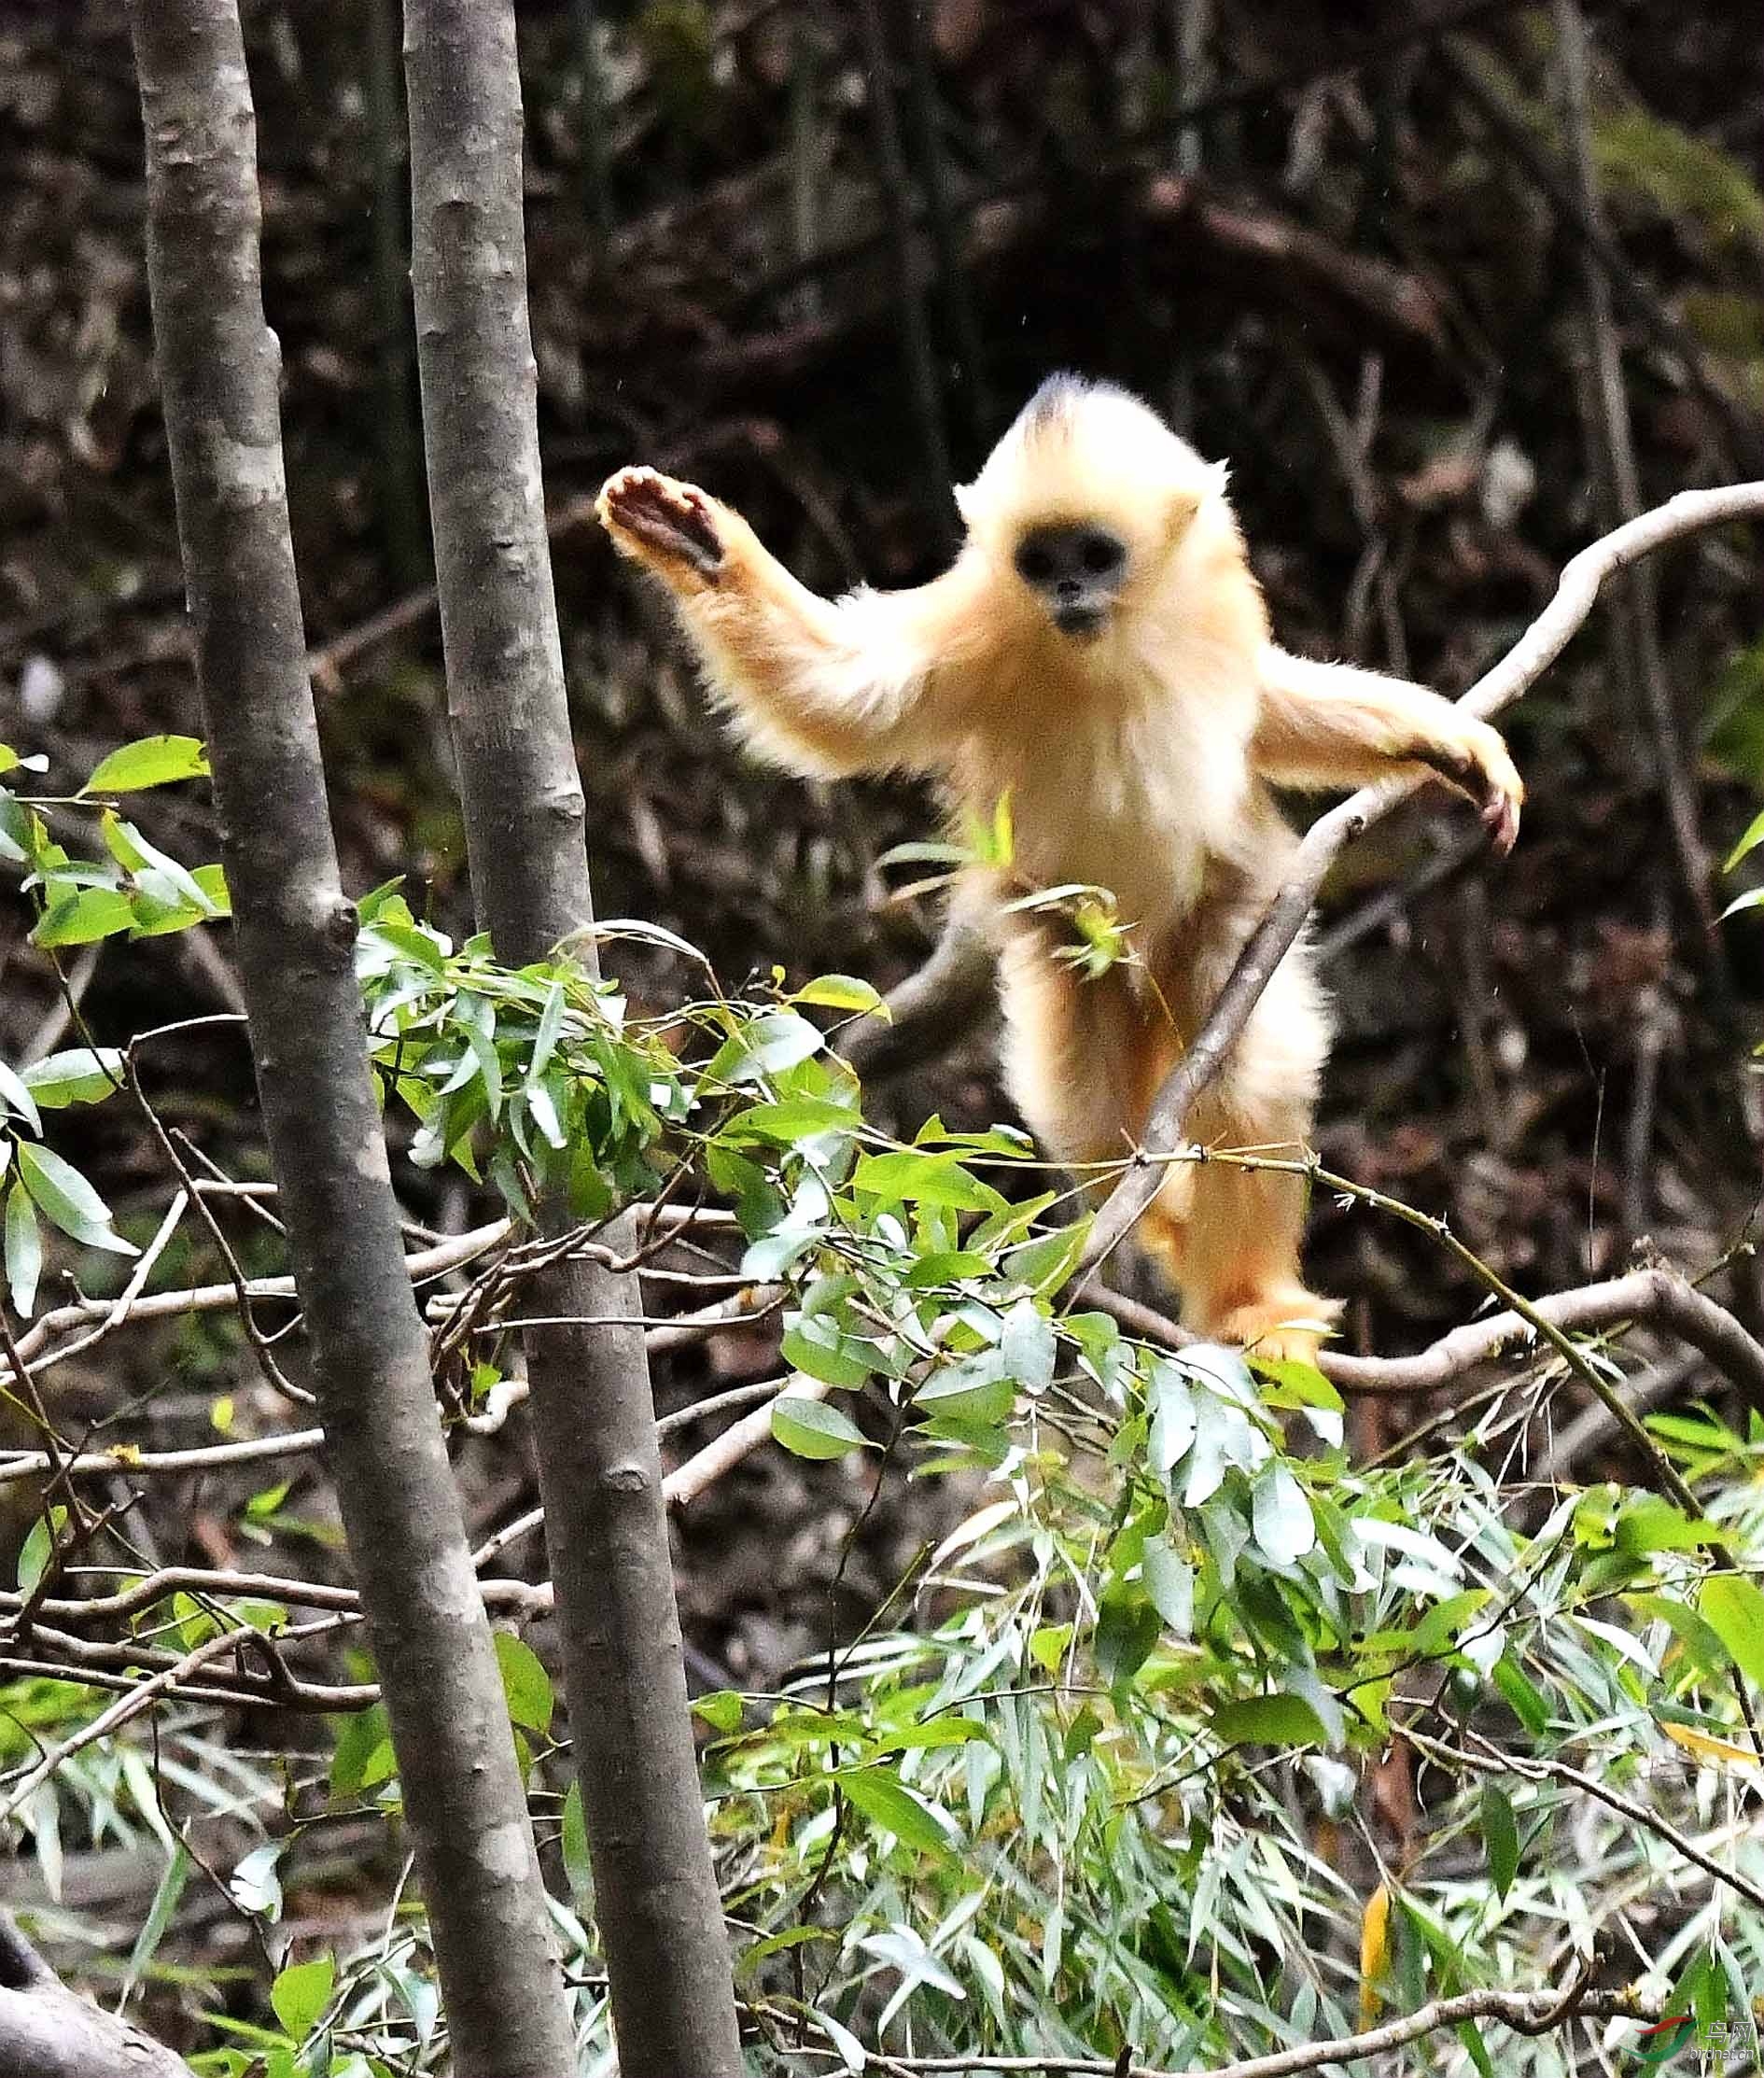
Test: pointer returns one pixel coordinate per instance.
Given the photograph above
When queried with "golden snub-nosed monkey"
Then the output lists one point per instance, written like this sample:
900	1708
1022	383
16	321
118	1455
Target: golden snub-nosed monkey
1100	649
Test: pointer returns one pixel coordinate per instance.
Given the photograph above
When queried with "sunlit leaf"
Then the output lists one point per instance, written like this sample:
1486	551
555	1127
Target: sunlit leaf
83	917
82	1075
1733	1609
154	761
885	1801
302	1992
842	991
526	1687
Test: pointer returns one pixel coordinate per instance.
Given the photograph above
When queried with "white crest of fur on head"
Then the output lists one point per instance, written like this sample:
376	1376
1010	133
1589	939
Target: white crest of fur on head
1083	450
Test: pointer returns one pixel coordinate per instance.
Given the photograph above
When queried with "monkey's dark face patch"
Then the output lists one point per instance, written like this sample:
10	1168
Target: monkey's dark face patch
1076	568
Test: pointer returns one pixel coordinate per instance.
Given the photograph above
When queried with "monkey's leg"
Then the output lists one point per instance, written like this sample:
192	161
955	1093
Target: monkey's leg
1240	1264
1082	1060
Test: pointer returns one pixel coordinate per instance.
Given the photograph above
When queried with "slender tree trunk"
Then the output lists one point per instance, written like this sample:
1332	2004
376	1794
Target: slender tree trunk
219	365
661	1919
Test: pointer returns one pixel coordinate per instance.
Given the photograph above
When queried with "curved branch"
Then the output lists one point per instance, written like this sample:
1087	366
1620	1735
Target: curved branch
1656	1294
1528	2013
934	1006
49	2031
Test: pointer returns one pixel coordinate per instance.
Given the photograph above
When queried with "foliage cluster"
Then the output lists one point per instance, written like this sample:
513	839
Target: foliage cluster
1091	1780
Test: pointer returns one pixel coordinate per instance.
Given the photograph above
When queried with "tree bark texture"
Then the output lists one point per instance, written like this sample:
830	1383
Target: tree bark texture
295	931
47	2032
660	1917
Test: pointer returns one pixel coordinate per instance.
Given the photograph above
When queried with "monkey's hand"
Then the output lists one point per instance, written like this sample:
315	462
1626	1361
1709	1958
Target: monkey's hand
1472	757
675	530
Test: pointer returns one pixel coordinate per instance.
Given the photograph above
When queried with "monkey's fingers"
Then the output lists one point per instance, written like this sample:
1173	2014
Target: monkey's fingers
1479	767
670	526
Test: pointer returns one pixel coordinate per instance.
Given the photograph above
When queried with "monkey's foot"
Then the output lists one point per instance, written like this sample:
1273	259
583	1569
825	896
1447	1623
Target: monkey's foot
1289	1328
1478	765
670	526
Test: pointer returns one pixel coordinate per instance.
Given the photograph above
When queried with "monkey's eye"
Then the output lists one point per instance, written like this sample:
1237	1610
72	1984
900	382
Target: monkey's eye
1100	553
1035	562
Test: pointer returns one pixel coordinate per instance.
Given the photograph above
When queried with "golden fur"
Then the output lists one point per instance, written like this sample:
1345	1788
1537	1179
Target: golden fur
1137	759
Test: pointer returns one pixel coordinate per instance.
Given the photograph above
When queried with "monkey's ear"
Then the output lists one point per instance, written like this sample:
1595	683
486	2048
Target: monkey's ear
1179	512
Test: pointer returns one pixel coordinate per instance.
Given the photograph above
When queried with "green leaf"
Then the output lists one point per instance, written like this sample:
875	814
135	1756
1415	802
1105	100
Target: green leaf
879	1793
811	1428
1733	1609
1703	1647
1527	1702
83	917
1045	1262
38	1547
165	1897
771	1043
976	1388
816	1345
722	1710
25	1251
1754	836
1752	899
360	1739
82	1075
1499	1835
550	1025
1291	1383
791	1119
64	1197
17	1098
1170	1582
842	991
154	761
573	1843
907	1178
302	1992
1128	1626
526	1685
1269	1721
1285	1526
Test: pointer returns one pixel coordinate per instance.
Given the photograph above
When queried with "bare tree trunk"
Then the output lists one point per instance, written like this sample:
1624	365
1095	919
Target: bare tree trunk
661	1918
219	365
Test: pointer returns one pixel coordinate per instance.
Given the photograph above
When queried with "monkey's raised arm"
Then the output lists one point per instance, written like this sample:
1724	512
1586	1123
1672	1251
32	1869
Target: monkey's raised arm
827	688
1327	726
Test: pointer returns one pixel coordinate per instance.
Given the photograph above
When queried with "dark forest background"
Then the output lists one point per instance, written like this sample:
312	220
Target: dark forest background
1448	307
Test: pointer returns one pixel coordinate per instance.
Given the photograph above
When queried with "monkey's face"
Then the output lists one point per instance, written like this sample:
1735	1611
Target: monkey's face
1076	570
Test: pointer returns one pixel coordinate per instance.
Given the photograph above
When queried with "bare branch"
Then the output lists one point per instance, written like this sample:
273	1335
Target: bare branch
1530	2012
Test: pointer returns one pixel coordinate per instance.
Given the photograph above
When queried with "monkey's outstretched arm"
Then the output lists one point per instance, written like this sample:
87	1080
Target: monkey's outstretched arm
1333	725
824	687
